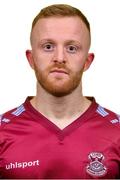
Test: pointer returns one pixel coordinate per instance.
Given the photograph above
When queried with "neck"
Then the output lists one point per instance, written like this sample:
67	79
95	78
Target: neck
60	110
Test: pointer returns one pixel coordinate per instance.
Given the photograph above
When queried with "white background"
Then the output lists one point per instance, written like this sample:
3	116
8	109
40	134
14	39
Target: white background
16	77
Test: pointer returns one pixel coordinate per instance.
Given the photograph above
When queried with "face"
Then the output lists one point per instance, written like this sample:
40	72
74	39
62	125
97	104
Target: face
59	53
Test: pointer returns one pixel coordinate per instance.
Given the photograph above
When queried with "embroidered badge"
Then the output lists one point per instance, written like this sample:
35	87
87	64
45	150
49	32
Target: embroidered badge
96	167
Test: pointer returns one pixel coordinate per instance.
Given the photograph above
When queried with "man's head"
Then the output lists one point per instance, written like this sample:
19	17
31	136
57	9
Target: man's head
60	40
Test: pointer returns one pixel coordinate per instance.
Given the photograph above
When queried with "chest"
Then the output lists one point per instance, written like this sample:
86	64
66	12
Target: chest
48	155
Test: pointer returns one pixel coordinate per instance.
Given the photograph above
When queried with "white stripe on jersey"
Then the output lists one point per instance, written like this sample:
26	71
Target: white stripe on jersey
19	110
102	111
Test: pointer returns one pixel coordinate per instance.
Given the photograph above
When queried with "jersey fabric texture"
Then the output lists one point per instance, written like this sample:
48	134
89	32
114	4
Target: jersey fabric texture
32	147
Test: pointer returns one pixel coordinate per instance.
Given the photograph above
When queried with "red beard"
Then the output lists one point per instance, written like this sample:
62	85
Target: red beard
58	85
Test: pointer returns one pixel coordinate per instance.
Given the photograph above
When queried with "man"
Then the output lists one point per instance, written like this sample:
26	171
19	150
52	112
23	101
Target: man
59	133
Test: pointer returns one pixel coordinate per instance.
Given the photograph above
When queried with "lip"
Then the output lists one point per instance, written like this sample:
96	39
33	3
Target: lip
58	71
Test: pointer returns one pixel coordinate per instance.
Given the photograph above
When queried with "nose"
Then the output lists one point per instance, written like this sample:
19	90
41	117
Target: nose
59	55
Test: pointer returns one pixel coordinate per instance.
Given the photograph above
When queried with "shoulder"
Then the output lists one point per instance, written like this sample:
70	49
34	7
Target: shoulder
11	115
105	126
108	114
108	124
103	114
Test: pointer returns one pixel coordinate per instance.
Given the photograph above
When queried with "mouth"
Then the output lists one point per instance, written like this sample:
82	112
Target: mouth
59	71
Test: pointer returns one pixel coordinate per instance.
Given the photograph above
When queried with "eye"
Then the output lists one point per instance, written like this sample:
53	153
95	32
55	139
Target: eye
72	48
48	47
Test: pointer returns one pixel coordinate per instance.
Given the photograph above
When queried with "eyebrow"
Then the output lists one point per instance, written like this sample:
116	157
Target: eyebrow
66	42
46	40
73	42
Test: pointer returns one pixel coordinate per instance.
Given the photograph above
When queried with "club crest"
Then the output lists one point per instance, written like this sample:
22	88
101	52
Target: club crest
96	167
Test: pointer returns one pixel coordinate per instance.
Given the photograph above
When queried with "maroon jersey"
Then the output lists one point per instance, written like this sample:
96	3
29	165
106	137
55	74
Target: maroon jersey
32	147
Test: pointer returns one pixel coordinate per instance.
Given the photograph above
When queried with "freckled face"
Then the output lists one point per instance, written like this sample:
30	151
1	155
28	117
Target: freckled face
59	53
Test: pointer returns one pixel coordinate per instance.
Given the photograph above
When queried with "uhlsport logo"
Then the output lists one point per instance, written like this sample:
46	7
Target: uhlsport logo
22	164
96	167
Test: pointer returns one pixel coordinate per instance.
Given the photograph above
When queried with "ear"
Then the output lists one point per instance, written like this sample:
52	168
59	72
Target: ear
30	58
89	61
